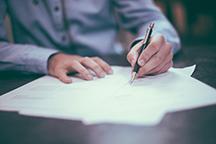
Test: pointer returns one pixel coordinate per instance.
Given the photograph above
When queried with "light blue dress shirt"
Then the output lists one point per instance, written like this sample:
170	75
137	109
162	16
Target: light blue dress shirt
85	27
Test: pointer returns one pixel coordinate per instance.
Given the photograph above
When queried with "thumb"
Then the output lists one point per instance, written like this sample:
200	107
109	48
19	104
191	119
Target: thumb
133	54
62	75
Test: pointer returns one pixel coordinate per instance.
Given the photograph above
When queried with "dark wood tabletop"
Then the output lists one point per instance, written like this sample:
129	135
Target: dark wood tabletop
196	126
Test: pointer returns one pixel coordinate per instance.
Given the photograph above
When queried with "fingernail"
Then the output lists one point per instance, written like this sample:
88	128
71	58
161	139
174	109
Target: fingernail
110	71
102	75
69	81
141	62
89	77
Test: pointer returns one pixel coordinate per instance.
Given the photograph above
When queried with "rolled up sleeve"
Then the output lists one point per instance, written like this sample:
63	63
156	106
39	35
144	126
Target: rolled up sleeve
24	57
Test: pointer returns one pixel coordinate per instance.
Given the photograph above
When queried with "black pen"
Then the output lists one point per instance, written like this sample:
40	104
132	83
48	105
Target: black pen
145	43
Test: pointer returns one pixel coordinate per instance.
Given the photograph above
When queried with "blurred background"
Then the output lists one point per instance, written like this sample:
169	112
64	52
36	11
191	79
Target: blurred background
194	20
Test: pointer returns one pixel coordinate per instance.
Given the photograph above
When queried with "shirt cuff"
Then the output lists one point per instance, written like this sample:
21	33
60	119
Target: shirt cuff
38	61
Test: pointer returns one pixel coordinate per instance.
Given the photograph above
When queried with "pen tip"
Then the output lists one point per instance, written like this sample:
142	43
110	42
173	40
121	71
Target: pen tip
131	82
133	77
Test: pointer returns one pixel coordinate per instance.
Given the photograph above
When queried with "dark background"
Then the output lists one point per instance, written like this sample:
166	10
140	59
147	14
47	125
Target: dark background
195	20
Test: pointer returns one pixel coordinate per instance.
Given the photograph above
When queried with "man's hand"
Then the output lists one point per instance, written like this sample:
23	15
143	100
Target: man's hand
59	65
155	59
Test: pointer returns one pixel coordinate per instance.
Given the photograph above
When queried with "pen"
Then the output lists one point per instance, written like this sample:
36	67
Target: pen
145	43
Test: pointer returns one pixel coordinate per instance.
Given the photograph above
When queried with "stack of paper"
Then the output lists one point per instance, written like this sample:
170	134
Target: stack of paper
111	99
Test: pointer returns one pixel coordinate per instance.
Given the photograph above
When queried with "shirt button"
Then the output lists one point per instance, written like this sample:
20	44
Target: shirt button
56	8
64	38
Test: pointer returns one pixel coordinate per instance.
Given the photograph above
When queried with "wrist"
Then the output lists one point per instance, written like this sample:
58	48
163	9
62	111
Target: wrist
50	61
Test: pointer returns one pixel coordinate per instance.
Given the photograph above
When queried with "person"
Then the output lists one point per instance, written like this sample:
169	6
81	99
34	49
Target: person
56	37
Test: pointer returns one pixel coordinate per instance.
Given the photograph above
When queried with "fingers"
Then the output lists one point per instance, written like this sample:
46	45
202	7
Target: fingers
95	67
59	65
154	46
78	67
167	60
166	67
95	64
105	66
156	42
62	75
157	61
156	58
56	67
133	54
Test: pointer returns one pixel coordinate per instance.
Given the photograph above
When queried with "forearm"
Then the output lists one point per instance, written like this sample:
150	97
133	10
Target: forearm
24	57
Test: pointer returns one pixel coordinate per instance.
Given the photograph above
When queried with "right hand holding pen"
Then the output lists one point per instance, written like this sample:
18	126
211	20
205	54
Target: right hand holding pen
59	65
155	59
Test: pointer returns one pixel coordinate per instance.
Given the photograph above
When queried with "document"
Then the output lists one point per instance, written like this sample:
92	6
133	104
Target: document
111	99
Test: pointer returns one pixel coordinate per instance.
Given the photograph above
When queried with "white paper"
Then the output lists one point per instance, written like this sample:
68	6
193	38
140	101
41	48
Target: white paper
111	99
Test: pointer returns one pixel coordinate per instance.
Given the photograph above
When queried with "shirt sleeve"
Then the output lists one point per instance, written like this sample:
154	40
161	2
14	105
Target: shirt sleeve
21	57
135	16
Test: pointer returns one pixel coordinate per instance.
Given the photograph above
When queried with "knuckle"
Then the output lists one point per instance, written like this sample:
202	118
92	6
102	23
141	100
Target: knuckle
105	65
162	39
158	59
96	68
154	46
83	71
96	58
85	59
168	46
73	62
146	56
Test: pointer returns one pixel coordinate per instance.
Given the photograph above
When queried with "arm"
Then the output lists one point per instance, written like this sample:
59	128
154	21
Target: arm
20	57
136	15
44	60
